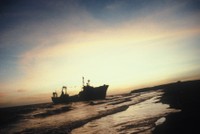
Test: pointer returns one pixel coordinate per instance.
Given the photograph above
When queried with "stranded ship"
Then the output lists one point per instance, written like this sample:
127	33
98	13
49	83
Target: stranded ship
88	93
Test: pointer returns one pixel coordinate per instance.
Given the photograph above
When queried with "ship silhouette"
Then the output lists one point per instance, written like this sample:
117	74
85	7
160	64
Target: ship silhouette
88	93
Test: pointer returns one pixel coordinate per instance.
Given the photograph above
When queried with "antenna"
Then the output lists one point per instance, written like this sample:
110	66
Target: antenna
83	81
88	82
65	90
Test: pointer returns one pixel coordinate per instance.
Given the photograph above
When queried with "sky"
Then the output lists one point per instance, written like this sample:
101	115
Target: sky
127	44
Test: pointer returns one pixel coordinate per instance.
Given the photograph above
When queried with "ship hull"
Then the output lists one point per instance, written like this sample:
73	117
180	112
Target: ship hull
88	93
93	93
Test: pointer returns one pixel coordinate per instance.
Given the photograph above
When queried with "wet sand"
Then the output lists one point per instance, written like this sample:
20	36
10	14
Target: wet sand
145	111
11	115
49	118
139	118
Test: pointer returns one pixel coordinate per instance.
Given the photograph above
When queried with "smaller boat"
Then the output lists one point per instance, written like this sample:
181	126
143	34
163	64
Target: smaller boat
64	97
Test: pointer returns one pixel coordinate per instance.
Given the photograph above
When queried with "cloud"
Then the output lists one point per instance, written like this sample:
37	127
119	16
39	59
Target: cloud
80	41
45	64
116	5
21	90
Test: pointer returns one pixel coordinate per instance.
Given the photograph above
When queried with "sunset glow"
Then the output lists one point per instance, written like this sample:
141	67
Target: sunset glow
125	44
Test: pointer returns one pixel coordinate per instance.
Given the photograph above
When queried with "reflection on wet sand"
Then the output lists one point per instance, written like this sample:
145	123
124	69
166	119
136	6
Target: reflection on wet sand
137	118
123	113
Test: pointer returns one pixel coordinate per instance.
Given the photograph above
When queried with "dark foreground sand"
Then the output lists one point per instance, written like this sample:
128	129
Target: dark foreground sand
184	96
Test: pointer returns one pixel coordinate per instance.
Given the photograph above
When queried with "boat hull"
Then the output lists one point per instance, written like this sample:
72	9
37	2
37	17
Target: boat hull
93	93
88	93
